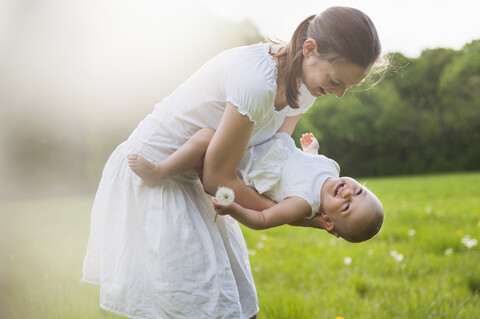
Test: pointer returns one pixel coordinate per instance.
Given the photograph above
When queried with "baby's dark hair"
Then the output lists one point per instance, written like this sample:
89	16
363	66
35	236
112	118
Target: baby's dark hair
372	228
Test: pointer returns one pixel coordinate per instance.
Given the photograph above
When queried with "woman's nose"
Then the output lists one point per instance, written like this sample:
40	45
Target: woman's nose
340	92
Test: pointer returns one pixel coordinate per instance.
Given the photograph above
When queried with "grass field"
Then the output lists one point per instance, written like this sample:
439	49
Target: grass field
425	263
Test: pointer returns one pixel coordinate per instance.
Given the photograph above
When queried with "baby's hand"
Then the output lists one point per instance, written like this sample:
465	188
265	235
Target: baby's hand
221	209
309	143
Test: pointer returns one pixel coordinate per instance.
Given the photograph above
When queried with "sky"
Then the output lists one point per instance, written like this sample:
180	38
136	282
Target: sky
406	26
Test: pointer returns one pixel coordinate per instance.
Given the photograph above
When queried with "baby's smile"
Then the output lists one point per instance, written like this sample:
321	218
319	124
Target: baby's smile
338	188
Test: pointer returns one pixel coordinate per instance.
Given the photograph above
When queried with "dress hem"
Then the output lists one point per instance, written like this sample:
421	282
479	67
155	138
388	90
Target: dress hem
123	314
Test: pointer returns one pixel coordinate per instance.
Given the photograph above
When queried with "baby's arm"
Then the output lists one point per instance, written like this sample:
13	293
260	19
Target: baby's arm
284	212
309	143
182	160
315	222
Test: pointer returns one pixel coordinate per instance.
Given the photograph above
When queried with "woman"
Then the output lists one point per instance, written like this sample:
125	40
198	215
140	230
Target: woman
155	251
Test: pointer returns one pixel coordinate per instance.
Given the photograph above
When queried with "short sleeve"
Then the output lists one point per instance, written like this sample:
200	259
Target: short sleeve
250	85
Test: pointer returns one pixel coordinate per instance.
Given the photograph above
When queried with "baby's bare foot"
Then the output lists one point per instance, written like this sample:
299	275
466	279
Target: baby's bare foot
146	170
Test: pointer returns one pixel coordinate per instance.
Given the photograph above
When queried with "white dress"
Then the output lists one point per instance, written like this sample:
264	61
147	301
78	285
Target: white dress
155	251
278	169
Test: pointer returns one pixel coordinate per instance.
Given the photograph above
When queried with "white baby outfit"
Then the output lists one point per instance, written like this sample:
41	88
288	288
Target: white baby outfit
155	251
278	169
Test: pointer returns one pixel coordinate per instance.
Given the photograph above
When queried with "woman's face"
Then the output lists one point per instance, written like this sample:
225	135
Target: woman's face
322	77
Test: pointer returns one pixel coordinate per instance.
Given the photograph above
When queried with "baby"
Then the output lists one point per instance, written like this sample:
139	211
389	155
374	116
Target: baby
303	185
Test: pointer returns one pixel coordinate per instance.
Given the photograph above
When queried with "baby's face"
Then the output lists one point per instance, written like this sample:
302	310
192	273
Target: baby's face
346	202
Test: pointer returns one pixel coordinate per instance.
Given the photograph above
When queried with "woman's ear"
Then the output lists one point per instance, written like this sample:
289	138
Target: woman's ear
309	47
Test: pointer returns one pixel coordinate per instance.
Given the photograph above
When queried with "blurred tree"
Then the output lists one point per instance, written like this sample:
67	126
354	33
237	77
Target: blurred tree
76	78
459	90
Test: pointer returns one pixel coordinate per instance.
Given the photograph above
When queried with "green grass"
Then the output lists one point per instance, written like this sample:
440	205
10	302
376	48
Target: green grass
42	246
299	273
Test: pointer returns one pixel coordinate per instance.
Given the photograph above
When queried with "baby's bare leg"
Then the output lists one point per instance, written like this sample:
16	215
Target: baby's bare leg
150	172
184	159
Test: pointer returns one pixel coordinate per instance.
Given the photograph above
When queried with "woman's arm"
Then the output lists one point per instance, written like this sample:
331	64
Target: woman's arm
224	153
287	211
289	124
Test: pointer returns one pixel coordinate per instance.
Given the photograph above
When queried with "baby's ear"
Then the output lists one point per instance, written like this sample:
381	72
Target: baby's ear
329	225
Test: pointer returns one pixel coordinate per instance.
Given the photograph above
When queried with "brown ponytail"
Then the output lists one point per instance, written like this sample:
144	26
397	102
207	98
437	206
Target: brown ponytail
293	55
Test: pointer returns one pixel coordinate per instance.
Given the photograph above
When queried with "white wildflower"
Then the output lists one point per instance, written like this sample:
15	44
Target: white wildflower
448	251
469	242
411	232
428	209
252	252
370	252
347	260
396	255
225	196
263	237
260	245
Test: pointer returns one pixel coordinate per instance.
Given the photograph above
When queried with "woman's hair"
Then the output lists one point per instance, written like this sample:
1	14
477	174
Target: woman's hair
341	33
